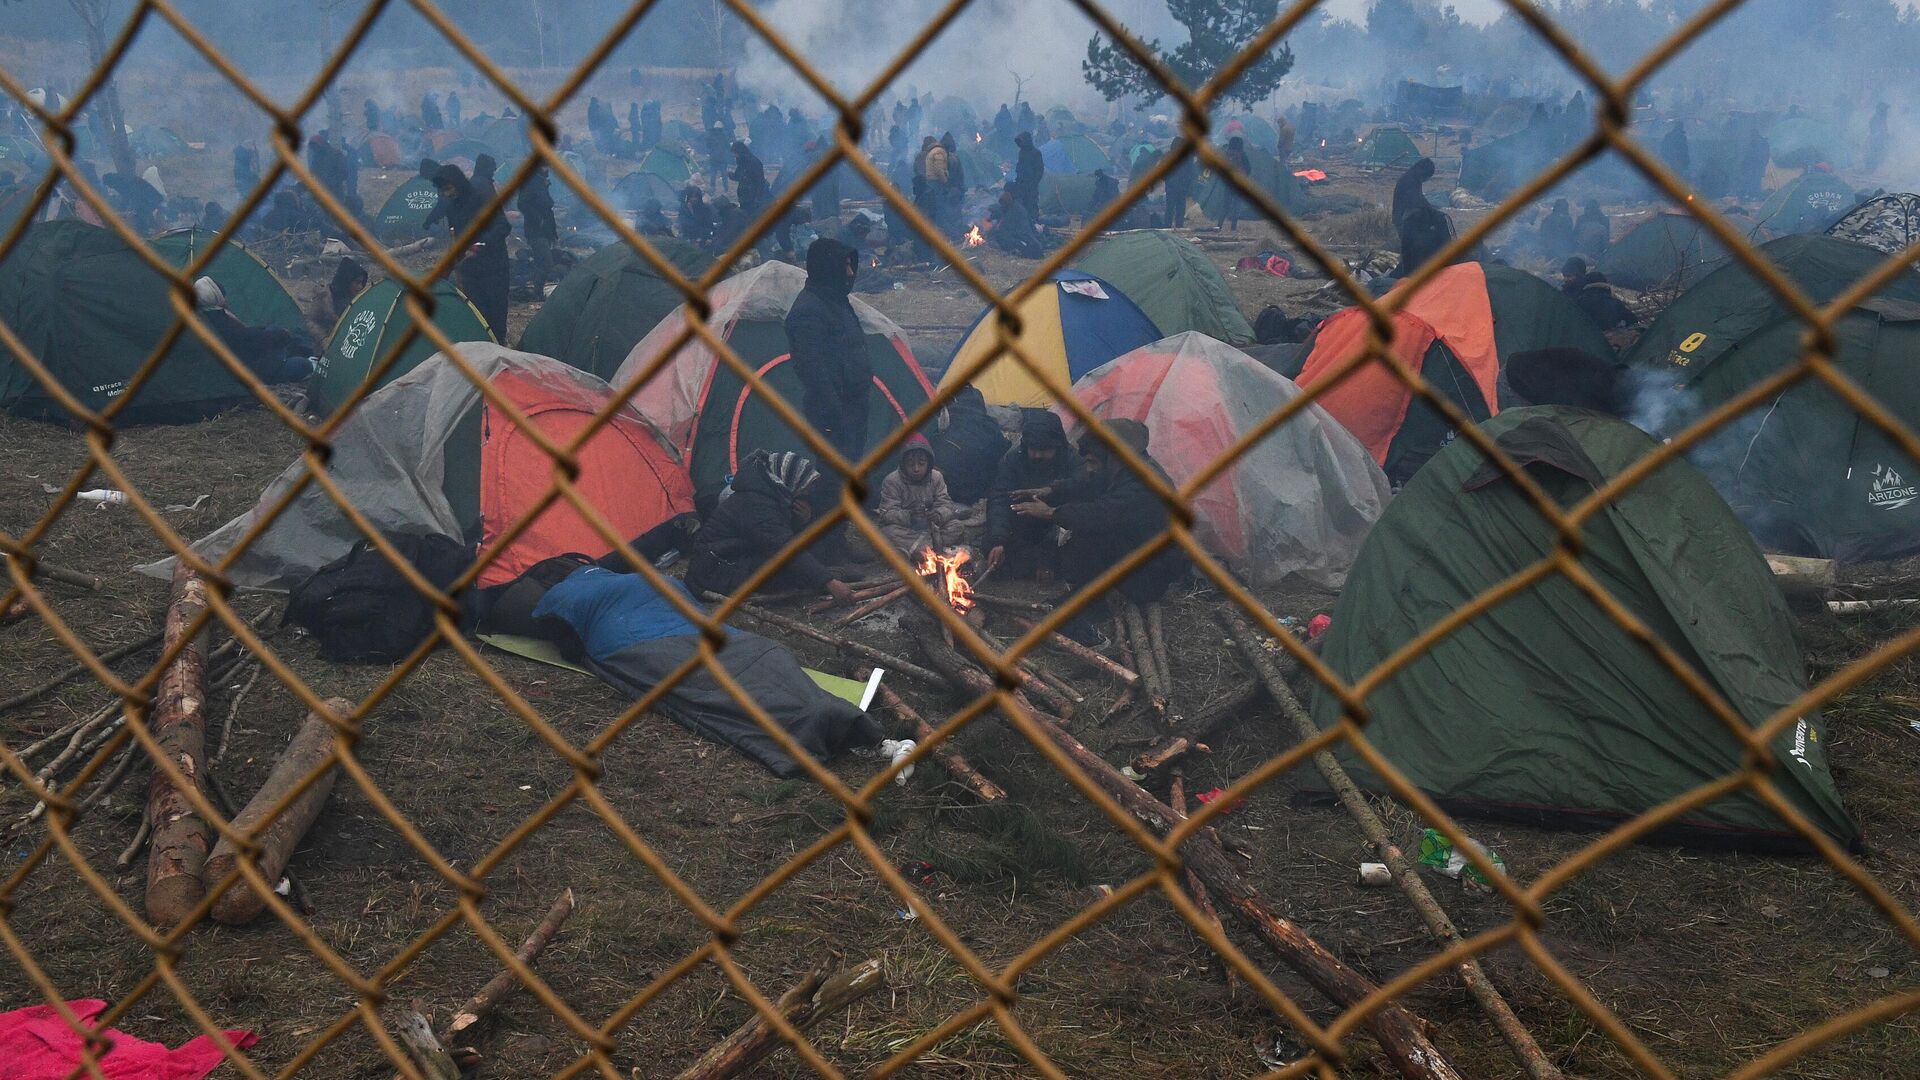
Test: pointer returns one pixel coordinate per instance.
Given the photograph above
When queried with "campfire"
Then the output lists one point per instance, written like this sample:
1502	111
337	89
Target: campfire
945	572
974	237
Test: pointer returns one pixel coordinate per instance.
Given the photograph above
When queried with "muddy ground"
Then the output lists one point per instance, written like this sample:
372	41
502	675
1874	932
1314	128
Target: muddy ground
1709	959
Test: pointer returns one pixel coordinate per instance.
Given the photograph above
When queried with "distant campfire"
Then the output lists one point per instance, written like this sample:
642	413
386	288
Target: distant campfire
974	237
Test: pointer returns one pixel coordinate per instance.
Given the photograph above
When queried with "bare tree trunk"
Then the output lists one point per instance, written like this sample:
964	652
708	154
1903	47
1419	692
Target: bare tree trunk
93	13
180	837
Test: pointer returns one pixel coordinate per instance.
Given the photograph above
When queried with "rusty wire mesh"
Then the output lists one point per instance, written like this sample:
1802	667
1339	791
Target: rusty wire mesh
1327	1043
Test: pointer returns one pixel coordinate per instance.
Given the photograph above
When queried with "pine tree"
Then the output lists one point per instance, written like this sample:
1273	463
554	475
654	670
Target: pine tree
1217	31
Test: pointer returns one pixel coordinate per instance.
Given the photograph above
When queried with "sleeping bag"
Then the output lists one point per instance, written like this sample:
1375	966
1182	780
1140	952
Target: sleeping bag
632	637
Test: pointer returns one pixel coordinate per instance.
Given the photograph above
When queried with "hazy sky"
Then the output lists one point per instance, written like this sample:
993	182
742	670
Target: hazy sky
1479	11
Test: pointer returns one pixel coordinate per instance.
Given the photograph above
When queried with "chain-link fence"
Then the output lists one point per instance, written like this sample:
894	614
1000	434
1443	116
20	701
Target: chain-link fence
366	984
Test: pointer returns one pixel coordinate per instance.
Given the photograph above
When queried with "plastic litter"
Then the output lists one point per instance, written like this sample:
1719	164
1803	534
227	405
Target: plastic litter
1439	853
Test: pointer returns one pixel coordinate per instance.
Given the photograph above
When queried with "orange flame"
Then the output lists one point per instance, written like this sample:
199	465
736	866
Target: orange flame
945	569
974	239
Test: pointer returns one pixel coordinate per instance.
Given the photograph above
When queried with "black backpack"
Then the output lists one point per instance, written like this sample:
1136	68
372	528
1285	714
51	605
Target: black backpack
359	608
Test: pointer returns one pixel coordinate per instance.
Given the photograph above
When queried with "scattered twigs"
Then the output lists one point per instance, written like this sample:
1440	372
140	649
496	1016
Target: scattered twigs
852	648
233	709
137	845
885	599
75	671
1203	725
948	757
311	749
816	997
1405	874
1402	1034
180	837
1177	796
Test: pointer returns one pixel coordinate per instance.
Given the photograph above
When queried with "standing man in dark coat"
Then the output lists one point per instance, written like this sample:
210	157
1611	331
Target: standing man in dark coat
829	349
1675	152
484	168
749	179
1593	233
430	117
536	221
649	126
1409	192
1180	181
1557	232
1028	169
483	271
453	109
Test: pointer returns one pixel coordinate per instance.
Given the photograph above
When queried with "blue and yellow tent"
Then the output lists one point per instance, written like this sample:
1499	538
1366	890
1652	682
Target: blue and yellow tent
1072	326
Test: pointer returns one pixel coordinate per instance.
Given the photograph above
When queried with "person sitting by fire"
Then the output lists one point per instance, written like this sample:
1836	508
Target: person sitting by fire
915	510
1025	544
771	500
1013	228
1108	512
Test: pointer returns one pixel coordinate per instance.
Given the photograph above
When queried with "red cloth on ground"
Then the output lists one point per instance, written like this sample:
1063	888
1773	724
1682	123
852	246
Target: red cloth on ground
36	1044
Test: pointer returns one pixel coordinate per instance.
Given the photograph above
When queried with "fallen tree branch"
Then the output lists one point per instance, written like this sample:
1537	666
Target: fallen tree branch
945	754
1177	798
853	648
1201	727
497	988
1405	874
815	998
310	749
1127	676
180	837
885	599
1398	1030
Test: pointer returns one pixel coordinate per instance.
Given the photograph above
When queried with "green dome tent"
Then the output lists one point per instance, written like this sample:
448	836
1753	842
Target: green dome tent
1387	146
1075	155
1267	174
1666	251
1065	195
253	294
154	141
1811	204
982	169
404	213
1171	280
1808	474
1542	708
668	165
373	326
634	189
1257	132
606	304
92	310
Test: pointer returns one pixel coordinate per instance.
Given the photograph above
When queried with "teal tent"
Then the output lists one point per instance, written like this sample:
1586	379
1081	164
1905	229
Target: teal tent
1666	251
254	295
606	304
1172	280
375	325
404	214
1267	174
92	310
1810	204
1544	709
1808	473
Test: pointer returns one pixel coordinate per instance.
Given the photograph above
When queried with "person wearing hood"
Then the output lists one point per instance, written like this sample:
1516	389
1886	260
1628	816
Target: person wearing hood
1028	170
246	168
829	349
1557	231
1675	152
483	272
650	128
771	500
1593	295
430	117
484	168
1593	233
1043	459
1108	512
370	112
349	279
954	198
273	354
1180	181
453	108
653	219
1014	231
696	217
1233	204
1410	191
535	201
916	510
968	444
749	179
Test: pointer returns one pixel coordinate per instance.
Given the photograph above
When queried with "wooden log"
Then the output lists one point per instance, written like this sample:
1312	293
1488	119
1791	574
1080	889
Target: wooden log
853	648
180	838
883	600
1127	676
815	998
1177	798
310	749
1157	639
1061	703
868	592
1008	603
497	988
17	610
1798	577
1143	655
1405	874
417	1038
949	758
1400	1033
65	575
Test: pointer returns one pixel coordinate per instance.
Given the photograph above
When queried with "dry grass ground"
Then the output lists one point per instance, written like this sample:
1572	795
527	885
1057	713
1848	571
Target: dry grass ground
1709	959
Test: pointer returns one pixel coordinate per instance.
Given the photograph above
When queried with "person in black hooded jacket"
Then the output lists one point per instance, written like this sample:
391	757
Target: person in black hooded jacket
829	349
968	444
1409	192
1109	512
1041	460
770	501
483	271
